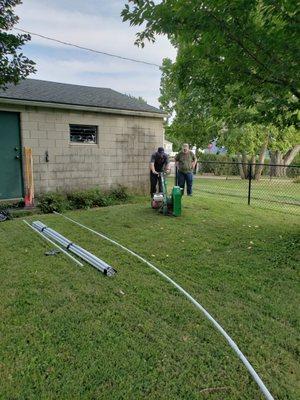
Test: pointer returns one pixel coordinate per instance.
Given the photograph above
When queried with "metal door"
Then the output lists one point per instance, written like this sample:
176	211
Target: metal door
11	182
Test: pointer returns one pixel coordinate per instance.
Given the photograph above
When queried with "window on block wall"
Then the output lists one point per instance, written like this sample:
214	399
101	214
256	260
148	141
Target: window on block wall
86	134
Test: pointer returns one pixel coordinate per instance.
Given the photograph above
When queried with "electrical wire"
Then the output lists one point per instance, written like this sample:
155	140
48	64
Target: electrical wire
87	48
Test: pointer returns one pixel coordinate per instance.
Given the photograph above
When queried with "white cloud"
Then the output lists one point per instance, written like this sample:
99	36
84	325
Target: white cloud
106	33
74	21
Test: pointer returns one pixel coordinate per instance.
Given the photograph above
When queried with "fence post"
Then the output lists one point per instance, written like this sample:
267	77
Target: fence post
250	181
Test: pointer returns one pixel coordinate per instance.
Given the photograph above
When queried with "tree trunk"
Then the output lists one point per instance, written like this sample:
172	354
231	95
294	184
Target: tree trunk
261	160
277	161
252	161
279	164
242	175
291	154
272	162
245	165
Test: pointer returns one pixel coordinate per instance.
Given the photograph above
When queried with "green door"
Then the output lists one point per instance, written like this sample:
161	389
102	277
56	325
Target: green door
11	184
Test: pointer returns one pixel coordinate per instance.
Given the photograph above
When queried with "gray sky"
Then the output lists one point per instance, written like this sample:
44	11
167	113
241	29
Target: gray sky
95	24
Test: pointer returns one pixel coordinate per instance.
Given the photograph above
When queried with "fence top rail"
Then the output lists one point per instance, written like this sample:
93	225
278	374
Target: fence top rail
248	163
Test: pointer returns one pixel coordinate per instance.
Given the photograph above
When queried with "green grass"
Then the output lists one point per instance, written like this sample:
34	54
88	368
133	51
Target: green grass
277	193
70	333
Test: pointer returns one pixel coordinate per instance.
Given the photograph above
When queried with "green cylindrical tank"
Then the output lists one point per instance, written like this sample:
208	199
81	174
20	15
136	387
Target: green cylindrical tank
176	197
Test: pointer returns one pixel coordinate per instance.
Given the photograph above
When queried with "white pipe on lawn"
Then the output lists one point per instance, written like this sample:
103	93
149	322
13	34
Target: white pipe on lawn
54	244
230	341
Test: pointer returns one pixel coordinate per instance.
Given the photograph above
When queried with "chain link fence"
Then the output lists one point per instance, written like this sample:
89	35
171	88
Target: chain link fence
268	185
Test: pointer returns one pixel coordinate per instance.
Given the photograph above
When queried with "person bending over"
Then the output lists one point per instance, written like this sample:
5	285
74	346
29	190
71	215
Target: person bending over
159	162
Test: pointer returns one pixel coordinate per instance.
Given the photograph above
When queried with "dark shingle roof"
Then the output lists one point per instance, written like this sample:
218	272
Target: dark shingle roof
63	93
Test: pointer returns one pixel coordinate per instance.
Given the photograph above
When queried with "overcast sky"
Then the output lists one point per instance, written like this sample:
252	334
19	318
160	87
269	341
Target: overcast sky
95	24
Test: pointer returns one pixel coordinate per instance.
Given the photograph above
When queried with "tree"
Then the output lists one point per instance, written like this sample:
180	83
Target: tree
236	65
140	99
252	140
245	50
284	147
13	64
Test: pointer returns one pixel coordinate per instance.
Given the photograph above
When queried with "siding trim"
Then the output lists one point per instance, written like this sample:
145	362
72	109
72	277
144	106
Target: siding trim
82	108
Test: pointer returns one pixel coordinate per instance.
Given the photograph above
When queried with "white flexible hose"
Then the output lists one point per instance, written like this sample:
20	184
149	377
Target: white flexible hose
230	341
54	244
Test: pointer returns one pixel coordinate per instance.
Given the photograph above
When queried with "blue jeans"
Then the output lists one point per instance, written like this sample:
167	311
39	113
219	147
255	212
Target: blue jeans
186	177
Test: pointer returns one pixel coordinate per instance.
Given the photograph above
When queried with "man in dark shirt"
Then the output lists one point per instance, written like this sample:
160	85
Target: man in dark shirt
159	162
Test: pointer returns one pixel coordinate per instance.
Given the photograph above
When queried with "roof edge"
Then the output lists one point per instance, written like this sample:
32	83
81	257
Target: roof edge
46	104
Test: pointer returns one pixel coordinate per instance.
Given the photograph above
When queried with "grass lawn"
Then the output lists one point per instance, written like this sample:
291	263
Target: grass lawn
68	332
277	193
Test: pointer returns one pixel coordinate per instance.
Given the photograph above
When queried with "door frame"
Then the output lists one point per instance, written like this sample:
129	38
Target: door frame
22	158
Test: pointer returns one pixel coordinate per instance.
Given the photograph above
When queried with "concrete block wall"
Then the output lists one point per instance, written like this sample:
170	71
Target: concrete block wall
121	156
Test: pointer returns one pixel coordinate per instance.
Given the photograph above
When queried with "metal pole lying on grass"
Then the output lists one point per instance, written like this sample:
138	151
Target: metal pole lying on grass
54	244
74	248
230	341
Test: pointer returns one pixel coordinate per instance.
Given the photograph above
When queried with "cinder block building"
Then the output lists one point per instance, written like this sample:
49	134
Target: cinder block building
81	137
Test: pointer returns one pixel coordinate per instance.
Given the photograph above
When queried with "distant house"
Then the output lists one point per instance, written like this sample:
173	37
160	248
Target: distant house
81	137
168	146
213	148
